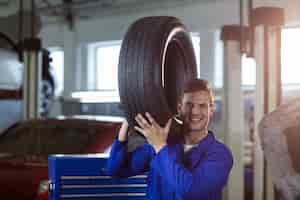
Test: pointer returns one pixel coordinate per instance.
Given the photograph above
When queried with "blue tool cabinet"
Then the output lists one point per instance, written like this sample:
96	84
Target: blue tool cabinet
82	177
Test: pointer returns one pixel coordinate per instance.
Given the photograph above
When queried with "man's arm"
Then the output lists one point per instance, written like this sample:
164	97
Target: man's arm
209	176
123	163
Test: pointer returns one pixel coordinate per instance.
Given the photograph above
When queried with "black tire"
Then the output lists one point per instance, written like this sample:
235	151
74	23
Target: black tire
156	58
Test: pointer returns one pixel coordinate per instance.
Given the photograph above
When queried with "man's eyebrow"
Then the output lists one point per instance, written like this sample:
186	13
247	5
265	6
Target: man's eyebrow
203	103
197	103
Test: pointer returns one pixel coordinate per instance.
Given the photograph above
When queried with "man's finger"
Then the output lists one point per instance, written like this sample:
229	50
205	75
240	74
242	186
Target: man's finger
152	120
140	130
143	120
139	122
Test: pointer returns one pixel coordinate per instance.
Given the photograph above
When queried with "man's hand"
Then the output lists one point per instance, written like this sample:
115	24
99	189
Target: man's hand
123	132
154	133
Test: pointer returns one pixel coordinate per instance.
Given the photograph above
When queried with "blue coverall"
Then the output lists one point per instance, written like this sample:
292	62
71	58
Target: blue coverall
199	174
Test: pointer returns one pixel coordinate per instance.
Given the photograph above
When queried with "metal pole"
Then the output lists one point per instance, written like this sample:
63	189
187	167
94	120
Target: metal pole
32	78
32	18
234	112
267	22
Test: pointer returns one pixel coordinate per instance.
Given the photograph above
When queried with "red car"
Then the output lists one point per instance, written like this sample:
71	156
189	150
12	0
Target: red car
25	146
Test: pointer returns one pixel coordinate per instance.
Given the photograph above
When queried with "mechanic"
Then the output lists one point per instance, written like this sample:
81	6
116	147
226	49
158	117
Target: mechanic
193	166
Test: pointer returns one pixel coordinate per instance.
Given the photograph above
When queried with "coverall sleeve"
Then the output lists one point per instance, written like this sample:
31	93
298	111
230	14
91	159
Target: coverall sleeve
209	175
123	164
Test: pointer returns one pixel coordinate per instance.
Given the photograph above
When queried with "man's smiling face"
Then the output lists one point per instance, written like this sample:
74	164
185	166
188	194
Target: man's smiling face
196	109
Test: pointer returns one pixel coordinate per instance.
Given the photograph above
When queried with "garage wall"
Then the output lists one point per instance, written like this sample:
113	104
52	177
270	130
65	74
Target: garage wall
196	16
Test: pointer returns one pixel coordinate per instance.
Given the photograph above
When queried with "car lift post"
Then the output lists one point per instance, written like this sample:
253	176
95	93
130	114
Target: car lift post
233	107
267	23
32	58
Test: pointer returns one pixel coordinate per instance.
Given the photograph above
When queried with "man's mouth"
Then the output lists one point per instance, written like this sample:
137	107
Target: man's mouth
196	119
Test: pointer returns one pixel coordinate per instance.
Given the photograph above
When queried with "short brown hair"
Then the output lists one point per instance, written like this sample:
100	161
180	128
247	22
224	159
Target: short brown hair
198	85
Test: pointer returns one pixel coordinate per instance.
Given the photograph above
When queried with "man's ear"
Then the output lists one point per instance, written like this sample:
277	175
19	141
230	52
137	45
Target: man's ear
179	105
178	117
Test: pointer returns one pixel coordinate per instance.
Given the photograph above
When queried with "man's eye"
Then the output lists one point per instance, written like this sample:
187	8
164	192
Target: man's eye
189	104
203	105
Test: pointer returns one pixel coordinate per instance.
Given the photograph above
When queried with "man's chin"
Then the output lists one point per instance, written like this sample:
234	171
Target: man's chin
195	129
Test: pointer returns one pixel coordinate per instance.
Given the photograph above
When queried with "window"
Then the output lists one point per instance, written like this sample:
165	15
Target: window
248	71
196	45
57	64
107	57
102	83
219	62
290	61
102	73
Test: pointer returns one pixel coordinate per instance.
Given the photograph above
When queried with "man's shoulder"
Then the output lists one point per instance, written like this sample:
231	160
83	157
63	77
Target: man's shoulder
217	142
220	147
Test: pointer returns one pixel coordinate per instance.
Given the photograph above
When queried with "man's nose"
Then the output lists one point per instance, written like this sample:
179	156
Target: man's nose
195	109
